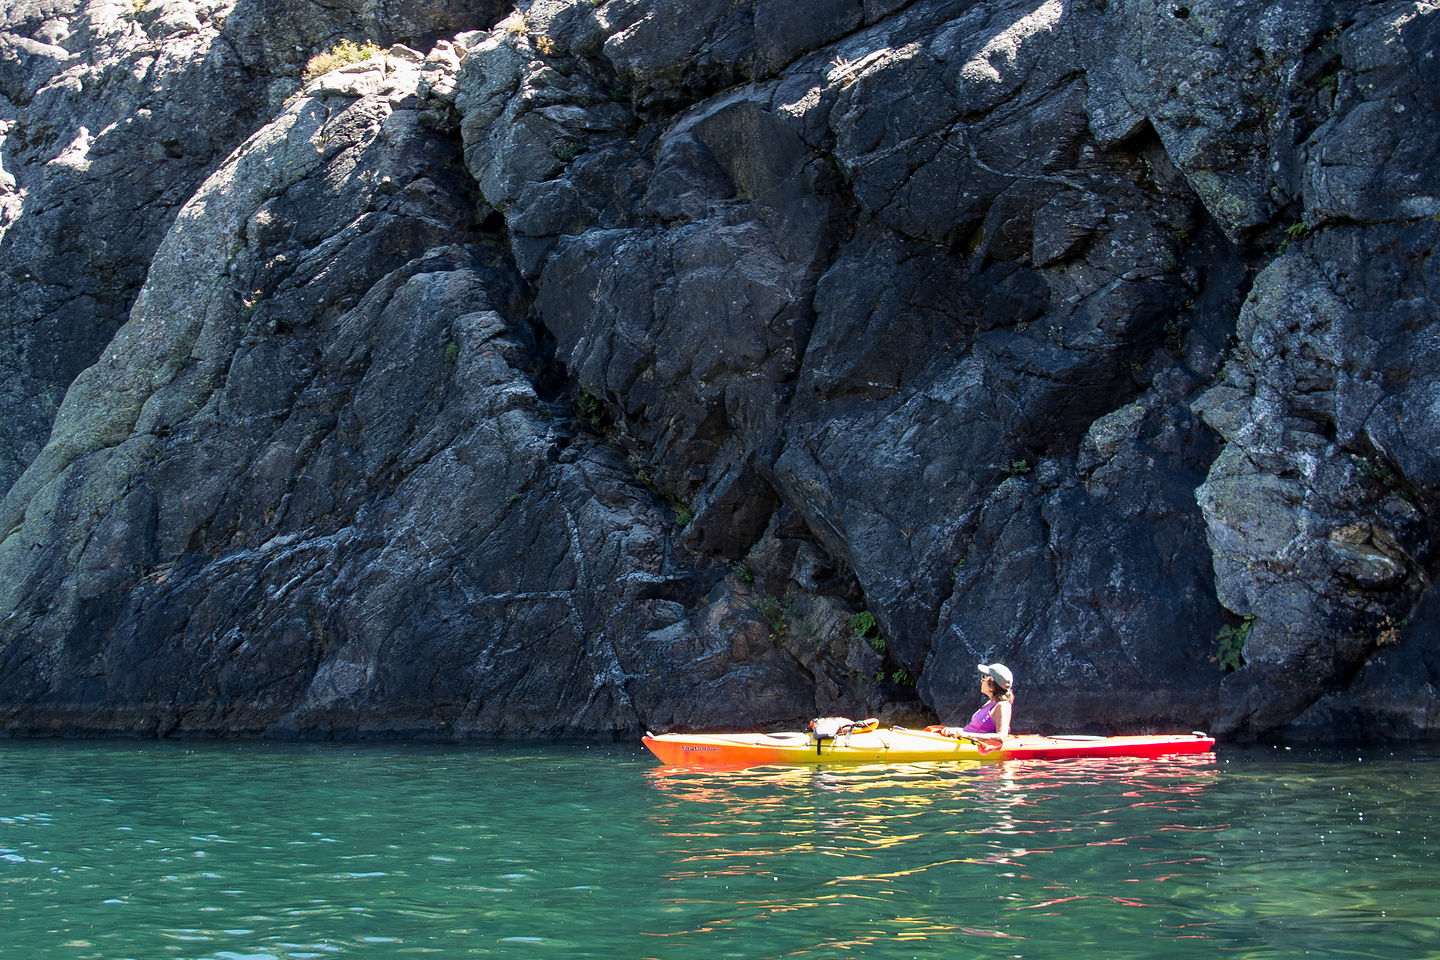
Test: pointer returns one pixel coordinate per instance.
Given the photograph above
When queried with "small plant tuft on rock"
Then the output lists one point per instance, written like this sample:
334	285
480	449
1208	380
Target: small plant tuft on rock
1375	469
1390	630
776	612
249	304
342	54
844	71
589	411
1230	644
865	627
1294	234
864	623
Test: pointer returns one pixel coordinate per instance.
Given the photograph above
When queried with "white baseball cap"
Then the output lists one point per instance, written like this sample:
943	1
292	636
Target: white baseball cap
999	673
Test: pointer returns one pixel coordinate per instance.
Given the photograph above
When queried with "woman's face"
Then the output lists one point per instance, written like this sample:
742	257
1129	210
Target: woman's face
986	684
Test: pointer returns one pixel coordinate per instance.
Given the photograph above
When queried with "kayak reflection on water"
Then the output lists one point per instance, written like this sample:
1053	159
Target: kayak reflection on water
794	844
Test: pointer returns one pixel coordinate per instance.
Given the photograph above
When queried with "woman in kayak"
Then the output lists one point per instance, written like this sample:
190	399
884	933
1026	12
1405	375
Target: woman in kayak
992	720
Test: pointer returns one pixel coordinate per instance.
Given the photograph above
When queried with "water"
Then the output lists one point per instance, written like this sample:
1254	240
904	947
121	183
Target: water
264	852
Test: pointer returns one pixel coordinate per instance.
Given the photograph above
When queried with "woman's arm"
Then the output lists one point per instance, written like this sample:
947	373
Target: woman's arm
1000	713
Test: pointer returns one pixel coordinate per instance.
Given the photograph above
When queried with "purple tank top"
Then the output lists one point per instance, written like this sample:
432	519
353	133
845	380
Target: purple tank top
981	721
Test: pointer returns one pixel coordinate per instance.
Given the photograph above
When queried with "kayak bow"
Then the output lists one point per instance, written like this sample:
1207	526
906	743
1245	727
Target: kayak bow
901	745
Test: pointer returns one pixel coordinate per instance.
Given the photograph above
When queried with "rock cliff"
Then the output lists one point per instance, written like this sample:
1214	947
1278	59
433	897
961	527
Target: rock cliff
588	367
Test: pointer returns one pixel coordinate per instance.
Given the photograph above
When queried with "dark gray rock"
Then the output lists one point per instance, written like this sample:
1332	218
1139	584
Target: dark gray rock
110	117
1108	551
1320	508
1226	87
723	364
108	122
347	510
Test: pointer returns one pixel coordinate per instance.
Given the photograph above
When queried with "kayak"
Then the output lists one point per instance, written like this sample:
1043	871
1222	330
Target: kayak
902	745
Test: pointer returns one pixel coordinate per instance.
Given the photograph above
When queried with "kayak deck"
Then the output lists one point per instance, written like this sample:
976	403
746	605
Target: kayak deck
901	745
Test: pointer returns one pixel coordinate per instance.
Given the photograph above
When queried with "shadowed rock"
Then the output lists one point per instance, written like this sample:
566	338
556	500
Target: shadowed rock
727	363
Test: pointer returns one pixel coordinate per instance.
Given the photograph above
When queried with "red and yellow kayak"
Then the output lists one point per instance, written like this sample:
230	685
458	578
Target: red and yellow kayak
901	745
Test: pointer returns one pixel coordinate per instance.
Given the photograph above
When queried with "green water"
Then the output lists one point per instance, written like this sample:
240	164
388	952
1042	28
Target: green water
263	852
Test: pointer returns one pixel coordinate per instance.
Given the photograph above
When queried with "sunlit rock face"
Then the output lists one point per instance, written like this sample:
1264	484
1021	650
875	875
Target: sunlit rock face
112	113
595	367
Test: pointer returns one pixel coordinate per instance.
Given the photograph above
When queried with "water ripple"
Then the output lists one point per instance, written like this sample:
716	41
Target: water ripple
299	853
